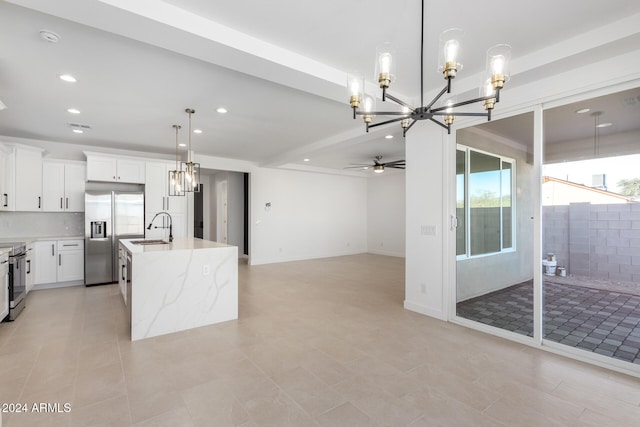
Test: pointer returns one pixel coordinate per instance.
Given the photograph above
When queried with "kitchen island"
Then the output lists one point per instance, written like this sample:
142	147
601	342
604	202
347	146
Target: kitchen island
181	285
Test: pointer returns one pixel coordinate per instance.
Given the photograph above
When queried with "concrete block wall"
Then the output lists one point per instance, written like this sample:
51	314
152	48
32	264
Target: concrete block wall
595	241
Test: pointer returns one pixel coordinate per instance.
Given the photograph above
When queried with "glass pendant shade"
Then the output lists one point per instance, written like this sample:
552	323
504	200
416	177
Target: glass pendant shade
498	65
176	183
191	173
449	52
176	177
190	169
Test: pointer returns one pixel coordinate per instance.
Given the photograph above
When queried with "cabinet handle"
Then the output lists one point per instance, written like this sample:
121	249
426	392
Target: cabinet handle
67	203
114	177
74	244
59	259
52	250
6	200
118	178
123	267
39	202
167	202
28	266
163	202
60	202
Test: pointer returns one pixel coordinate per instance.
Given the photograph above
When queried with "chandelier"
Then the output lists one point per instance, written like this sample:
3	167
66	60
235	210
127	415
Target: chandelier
497	73
191	170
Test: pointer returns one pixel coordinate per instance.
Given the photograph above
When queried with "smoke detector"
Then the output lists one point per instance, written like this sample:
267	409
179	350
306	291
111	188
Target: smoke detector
49	36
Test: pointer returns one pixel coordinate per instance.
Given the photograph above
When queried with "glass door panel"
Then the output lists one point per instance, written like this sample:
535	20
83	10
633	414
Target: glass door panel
494	235
591	225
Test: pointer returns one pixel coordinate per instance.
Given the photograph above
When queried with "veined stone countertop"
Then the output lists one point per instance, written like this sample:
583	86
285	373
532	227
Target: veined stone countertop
179	243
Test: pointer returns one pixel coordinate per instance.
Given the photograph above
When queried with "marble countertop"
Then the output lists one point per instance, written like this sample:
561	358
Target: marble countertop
179	243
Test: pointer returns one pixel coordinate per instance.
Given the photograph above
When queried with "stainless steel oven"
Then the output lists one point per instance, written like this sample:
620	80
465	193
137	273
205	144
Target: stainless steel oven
17	279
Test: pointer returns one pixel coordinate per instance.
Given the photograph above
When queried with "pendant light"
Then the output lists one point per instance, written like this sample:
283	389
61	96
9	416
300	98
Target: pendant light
176	177
190	169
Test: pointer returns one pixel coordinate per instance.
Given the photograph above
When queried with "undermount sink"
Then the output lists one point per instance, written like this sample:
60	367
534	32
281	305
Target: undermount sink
149	242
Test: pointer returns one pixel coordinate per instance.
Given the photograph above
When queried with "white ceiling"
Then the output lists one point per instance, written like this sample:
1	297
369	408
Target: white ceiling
278	67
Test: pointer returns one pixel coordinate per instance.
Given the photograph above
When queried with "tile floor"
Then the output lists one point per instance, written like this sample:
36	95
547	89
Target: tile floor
596	320
318	343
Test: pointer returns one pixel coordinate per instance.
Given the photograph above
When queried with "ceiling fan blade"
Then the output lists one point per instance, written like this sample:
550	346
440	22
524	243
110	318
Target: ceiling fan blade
396	167
395	162
356	167
361	164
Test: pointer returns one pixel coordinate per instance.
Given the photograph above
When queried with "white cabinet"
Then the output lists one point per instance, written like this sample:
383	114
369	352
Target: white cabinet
70	260
30	262
47	262
28	179
122	271
157	199
115	169
59	261
7	195
63	186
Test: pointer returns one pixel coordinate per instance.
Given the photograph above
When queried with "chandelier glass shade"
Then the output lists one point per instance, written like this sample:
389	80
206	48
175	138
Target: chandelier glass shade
449	64
190	169
176	177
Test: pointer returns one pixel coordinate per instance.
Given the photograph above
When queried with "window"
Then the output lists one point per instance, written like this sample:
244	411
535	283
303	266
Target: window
484	206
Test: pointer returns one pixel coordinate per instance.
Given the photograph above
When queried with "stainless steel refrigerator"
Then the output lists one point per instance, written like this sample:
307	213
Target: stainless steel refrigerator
109	216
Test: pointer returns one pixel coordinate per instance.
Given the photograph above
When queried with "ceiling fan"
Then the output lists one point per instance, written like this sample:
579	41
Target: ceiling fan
378	166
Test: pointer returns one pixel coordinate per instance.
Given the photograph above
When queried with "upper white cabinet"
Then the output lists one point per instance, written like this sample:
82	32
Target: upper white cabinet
28	179
115	169
63	185
7	199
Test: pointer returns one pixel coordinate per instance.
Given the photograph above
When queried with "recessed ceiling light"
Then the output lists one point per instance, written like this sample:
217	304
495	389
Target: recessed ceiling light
306	160
221	110
583	110
182	144
366	167
78	131
197	131
73	111
67	78
389	137
604	125
49	36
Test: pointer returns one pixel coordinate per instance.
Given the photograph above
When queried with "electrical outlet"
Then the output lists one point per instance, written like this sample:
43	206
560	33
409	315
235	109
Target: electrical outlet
206	270
423	288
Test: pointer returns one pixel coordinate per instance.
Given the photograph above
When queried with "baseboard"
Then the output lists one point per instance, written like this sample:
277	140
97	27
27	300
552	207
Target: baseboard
387	253
419	308
57	285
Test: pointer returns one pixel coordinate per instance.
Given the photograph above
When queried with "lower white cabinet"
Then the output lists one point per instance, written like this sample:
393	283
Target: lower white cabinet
70	260
47	262
59	261
122	272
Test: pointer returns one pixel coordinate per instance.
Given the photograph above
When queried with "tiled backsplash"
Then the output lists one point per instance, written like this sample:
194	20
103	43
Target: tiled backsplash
41	224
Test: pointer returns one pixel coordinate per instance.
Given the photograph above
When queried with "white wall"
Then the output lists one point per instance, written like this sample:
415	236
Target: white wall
386	212
426	195
312	215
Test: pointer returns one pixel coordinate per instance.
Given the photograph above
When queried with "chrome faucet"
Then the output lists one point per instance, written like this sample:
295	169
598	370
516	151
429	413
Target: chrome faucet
170	224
